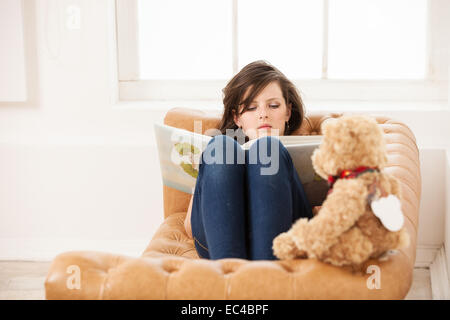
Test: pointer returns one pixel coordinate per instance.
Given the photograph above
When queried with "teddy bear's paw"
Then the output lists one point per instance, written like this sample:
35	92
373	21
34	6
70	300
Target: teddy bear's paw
299	229
293	240
284	247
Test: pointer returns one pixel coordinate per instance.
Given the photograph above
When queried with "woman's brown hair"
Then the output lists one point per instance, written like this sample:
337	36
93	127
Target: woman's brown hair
259	74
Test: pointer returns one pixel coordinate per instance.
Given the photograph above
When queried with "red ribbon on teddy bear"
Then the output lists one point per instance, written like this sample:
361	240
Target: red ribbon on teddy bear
349	174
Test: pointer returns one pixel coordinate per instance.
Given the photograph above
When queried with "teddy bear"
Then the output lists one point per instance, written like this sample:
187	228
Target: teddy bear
361	216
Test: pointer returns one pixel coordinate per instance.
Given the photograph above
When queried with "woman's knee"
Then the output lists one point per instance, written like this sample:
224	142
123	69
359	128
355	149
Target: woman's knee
268	155
222	149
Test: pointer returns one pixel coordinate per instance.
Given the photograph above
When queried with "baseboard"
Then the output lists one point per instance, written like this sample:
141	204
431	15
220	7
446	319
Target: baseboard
440	282
45	249
425	255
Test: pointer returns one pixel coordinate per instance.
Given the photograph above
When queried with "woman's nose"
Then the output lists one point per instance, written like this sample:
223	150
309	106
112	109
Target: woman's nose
263	112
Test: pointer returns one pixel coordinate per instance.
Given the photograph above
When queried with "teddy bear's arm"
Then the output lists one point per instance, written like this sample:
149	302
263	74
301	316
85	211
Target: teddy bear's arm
339	212
284	247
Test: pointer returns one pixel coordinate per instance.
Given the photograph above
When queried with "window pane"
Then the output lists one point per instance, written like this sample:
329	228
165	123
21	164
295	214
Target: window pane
185	39
286	33
380	39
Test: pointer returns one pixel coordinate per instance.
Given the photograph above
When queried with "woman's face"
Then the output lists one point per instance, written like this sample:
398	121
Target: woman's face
268	108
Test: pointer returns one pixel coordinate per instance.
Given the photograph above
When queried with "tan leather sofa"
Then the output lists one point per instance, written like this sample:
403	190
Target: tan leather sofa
170	268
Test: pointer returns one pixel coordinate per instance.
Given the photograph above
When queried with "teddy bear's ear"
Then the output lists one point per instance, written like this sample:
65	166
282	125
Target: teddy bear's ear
317	163
327	125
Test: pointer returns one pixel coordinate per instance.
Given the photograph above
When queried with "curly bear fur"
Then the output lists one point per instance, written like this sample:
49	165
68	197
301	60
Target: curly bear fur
345	232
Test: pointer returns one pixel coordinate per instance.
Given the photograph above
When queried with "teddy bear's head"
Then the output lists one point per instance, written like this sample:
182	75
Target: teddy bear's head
349	142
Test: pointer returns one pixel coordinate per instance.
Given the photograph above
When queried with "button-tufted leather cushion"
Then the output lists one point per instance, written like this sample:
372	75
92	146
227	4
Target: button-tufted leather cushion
170	268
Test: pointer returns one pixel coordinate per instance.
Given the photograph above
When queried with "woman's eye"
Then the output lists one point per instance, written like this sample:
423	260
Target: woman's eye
272	106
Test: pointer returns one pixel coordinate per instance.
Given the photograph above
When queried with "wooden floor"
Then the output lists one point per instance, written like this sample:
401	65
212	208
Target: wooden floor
24	280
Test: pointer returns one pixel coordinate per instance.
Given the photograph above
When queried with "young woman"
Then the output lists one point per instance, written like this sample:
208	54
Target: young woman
236	211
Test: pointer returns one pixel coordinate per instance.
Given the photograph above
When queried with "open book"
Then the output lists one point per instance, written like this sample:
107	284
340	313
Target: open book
180	151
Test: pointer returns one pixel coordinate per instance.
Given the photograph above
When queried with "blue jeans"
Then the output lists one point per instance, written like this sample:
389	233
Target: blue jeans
237	211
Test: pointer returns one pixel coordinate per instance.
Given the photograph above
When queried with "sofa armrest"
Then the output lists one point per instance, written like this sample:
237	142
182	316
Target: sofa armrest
106	276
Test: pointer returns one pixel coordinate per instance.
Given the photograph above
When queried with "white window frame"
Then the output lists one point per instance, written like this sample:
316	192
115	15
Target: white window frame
433	88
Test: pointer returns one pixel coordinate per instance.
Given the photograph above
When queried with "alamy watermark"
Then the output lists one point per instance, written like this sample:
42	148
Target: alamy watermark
374	281
74	280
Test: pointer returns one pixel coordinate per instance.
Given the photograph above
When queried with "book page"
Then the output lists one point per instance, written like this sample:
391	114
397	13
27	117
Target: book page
289	140
179	154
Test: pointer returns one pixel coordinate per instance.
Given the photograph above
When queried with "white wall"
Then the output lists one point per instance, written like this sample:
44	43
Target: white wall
447	211
75	172
431	231
80	172
12	62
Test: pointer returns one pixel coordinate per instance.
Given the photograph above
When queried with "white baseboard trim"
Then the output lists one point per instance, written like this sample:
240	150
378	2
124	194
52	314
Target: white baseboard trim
440	282
45	249
425	255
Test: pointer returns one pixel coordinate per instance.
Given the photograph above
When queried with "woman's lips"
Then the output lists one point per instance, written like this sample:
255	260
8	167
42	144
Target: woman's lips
264	127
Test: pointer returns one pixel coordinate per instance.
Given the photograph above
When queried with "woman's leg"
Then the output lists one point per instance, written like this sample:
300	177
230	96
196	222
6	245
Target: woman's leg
275	195
219	205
